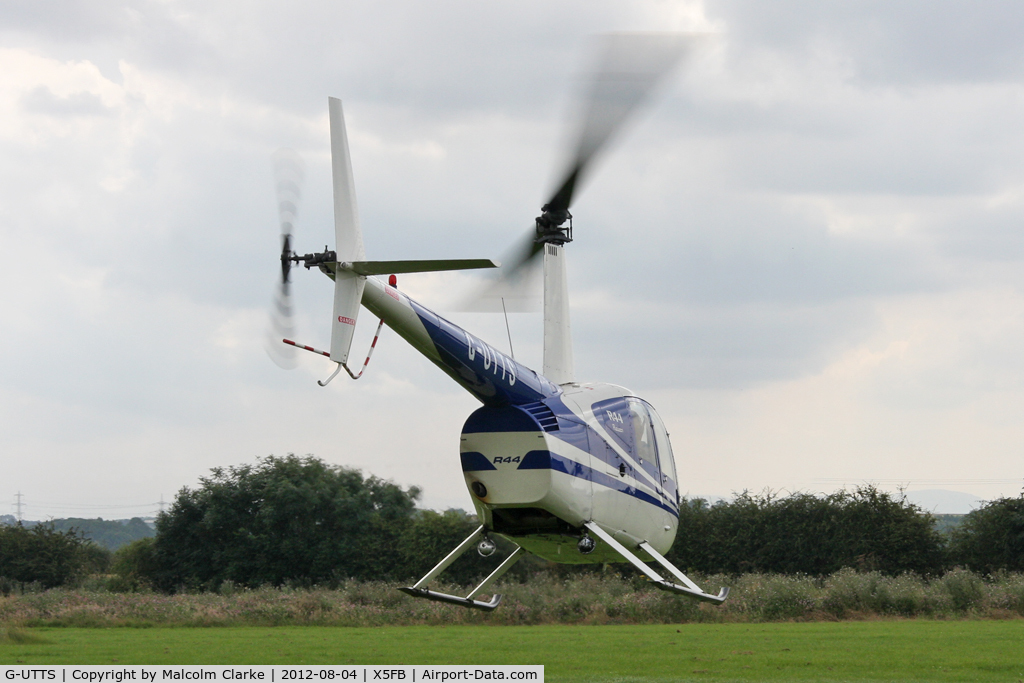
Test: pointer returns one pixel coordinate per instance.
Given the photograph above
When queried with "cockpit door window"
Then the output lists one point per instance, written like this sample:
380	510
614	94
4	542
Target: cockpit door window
644	441
666	459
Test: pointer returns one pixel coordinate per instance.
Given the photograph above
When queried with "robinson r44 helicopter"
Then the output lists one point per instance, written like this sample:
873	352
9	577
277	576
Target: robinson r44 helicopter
574	472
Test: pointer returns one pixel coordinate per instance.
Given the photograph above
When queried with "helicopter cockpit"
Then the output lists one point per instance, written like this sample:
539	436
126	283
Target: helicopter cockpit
651	445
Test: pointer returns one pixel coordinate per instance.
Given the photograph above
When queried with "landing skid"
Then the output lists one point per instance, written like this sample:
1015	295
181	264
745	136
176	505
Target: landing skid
419	590
689	589
452	599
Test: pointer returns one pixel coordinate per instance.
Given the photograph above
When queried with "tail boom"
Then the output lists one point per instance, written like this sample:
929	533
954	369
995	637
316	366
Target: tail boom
490	375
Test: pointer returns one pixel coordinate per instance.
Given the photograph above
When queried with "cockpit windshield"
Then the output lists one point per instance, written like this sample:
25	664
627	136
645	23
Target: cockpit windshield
639	430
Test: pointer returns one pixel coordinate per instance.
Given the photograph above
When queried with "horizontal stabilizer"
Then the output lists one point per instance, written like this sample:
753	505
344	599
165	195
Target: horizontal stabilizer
429	266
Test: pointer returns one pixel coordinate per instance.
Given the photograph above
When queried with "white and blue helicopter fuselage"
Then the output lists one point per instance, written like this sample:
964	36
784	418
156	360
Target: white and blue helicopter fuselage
541	460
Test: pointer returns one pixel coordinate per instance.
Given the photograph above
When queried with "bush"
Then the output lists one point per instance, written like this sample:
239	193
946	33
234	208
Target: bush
284	521
805	534
964	590
43	555
134	566
991	538
95	558
850	592
773	597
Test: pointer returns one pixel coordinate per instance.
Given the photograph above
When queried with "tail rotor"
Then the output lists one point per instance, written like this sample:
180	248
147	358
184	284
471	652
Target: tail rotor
346	264
289	174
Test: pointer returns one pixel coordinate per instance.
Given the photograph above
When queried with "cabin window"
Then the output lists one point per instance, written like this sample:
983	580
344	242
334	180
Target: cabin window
668	463
613	416
644	444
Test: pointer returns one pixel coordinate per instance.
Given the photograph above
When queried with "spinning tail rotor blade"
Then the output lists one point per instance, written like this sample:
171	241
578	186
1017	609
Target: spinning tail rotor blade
288	177
281	327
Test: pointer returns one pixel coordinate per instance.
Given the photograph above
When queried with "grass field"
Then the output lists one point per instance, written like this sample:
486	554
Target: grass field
911	650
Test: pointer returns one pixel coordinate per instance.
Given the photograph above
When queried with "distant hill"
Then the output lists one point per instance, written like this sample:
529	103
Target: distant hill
943	502
110	533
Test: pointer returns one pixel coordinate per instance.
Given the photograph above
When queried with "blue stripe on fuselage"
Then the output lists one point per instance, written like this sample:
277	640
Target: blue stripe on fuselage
558	463
575	432
485	372
476	462
571	430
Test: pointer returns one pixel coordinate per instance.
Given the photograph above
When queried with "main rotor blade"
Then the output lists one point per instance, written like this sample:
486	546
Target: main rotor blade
515	288
628	68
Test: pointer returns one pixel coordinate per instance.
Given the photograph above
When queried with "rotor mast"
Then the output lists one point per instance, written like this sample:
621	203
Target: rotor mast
552	236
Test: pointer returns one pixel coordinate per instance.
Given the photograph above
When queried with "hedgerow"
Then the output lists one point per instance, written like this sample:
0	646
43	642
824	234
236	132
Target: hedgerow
544	599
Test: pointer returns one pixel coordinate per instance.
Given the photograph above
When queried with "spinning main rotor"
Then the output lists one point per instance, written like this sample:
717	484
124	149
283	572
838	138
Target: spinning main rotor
627	69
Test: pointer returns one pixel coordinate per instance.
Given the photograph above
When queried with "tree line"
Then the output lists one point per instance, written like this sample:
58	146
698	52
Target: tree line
298	521
46	556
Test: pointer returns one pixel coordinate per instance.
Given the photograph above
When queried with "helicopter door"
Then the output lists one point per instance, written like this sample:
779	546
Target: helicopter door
581	497
613	492
615	499
666	460
645	448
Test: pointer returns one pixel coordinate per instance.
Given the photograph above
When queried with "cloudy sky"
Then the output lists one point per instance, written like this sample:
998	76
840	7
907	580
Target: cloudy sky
807	253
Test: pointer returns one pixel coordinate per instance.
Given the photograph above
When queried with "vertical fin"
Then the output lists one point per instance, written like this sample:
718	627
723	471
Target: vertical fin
348	296
348	238
348	244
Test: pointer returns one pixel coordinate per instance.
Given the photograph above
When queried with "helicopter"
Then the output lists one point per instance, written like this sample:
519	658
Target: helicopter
573	472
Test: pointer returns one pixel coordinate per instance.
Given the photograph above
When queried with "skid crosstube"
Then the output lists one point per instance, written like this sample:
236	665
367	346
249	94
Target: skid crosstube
689	588
420	590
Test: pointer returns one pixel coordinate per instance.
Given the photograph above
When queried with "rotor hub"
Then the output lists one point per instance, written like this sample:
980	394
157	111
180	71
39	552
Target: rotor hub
551	228
308	260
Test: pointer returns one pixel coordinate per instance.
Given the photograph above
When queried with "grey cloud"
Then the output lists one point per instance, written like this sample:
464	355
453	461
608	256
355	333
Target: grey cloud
153	34
655	345
41	100
440	57
982	233
906	42
708	247
65	20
